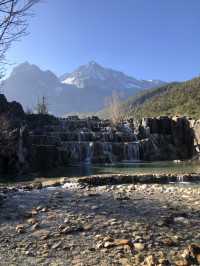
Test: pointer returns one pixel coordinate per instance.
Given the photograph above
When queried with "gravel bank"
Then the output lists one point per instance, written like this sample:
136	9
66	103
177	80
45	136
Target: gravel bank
127	224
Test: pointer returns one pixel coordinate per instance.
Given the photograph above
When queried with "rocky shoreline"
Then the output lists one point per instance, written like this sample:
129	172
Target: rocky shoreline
85	222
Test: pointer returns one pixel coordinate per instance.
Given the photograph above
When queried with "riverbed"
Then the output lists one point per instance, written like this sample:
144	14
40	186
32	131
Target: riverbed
105	219
123	224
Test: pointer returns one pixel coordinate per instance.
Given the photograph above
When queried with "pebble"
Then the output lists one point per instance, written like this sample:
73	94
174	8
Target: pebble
56	245
139	246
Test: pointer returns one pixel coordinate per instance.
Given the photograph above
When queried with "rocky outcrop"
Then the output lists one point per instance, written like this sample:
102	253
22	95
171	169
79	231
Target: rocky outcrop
195	125
119	179
13	138
166	138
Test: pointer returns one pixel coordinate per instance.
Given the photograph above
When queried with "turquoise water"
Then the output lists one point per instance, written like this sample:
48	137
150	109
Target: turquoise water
129	168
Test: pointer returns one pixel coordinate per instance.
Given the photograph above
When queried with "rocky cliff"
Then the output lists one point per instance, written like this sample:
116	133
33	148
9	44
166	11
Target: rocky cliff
195	125
14	147
166	138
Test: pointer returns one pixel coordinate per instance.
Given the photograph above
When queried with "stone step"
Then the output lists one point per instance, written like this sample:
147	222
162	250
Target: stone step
90	136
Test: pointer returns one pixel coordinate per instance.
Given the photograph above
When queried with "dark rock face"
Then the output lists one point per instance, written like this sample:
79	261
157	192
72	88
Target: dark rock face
45	157
3	103
166	138
40	142
13	138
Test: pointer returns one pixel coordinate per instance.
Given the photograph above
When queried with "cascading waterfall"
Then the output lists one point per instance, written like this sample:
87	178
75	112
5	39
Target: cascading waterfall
92	140
180	179
107	148
87	152
20	146
86	146
132	151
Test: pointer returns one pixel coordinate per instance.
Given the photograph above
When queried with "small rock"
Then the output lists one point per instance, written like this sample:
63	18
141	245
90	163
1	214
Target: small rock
42	233
198	258
168	242
38	208
35	226
181	220
139	246
87	227
44	209
56	245
182	262
117	242
108	244
138	258
99	245
34	211
150	261
108	238
20	228
94	207
124	262
28	253
98	237
32	221
37	185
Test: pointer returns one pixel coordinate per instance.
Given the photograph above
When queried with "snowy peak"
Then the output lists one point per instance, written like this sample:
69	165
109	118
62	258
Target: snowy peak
93	74
86	73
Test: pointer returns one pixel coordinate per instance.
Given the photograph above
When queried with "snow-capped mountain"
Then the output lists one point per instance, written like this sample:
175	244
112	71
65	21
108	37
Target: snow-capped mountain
94	75
84	90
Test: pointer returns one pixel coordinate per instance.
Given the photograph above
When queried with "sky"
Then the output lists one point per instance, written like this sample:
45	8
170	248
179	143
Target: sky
147	39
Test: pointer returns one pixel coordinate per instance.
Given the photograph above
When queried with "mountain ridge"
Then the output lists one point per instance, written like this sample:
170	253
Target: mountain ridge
27	83
177	98
85	75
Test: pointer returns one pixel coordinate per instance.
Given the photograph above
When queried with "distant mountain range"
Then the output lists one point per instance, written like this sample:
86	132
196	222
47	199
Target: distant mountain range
83	90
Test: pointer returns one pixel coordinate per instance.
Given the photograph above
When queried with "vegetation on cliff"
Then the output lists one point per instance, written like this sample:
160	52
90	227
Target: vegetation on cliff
182	99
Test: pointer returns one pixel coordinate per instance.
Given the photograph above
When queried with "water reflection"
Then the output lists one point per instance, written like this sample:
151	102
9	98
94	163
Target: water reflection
131	168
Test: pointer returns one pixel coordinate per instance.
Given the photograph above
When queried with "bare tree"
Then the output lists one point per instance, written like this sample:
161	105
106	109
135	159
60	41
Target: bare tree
42	106
116	110
13	24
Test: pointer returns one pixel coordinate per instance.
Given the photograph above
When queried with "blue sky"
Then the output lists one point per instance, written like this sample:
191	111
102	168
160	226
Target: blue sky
149	39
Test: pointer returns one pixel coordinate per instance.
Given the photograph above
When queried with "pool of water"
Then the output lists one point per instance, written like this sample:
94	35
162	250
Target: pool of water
129	168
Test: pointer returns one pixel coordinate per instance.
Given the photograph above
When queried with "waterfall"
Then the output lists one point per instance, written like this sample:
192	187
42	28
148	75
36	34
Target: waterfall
81	136
132	151
107	148
153	141
107	145
74	151
20	146
86	152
